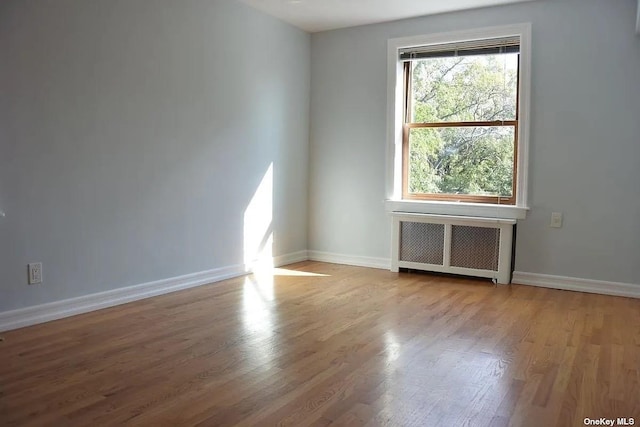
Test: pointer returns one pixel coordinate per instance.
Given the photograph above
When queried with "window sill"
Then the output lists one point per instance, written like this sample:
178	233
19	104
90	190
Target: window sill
457	208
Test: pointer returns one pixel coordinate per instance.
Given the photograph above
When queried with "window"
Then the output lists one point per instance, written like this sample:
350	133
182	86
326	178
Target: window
458	130
460	122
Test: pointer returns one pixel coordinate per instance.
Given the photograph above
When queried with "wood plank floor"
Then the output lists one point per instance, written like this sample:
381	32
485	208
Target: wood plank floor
322	344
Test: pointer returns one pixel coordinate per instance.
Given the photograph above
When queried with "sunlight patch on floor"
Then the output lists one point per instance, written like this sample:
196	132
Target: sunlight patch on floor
264	271
287	272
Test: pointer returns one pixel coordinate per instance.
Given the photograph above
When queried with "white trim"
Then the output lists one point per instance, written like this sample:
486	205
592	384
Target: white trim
638	19
454	219
33	315
359	261
577	284
70	307
394	109
456	208
291	258
461	271
490	222
505	253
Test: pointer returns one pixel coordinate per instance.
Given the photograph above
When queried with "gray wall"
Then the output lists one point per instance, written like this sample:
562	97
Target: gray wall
585	136
133	135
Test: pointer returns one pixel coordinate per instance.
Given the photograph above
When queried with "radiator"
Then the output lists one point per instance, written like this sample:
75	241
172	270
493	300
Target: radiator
469	246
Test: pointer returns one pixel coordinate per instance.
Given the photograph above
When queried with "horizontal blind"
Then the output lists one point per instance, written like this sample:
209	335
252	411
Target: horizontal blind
463	48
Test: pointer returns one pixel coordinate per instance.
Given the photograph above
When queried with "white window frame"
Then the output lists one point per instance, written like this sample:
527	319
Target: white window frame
394	201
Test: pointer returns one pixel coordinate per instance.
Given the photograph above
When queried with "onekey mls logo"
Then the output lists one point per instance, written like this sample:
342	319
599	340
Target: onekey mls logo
609	421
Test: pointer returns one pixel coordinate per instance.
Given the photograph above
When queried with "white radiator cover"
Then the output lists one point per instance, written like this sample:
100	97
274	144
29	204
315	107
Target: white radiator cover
471	246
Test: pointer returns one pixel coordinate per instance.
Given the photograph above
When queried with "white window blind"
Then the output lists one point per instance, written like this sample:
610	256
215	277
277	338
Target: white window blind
463	48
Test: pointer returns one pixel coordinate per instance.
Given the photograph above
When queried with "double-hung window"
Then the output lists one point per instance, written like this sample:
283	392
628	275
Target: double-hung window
457	115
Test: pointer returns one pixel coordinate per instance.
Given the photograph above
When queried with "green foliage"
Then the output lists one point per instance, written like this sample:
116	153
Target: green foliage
463	160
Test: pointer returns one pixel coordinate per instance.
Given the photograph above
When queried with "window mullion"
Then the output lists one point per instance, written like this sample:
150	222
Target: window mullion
494	123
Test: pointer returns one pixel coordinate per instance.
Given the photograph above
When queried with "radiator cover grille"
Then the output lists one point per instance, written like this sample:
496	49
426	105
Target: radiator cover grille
475	247
422	242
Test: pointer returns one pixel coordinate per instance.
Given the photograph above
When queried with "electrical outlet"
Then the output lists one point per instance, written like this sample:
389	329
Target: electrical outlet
35	273
556	220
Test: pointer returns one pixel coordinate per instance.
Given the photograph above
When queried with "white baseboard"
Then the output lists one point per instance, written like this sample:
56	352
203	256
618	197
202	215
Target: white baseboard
28	316
33	315
359	261
291	258
577	284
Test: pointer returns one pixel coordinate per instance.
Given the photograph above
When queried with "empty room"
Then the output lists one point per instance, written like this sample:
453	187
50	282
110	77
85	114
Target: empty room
319	212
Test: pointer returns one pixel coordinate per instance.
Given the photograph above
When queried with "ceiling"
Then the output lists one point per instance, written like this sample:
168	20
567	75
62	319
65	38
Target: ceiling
321	15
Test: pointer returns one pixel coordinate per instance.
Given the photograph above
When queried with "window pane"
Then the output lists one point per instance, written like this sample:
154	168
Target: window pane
462	160
464	89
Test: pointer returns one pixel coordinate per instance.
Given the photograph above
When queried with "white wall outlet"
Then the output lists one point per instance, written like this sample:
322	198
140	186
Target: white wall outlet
35	273
556	220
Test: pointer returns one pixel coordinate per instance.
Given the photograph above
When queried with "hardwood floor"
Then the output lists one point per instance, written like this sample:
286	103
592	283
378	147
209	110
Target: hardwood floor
322	344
